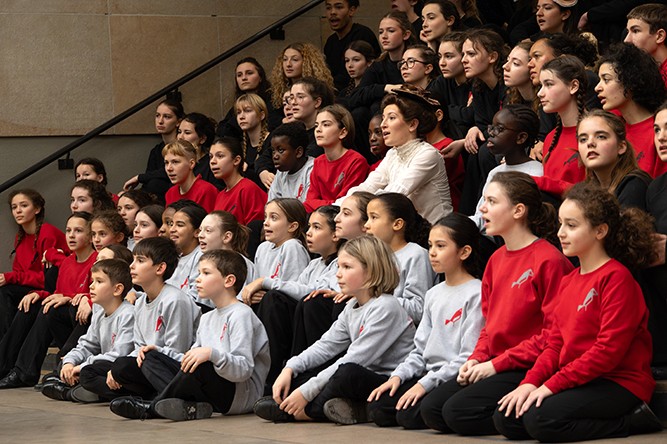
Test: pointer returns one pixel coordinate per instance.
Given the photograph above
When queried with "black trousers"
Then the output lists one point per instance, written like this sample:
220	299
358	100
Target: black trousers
93	377
384	413
11	343
451	408
477	169
203	385
312	319
351	381
10	296
276	311
595	410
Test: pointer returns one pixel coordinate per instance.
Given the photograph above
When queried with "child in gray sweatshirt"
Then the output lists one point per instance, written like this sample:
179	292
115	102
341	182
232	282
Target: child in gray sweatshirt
108	337
374	334
449	329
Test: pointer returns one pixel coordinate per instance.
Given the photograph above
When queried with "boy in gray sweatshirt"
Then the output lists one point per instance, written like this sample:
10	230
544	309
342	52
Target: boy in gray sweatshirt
108	337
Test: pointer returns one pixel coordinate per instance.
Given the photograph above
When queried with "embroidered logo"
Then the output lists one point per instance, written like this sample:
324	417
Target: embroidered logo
640	156
361	329
588	299
571	159
113	338
185	283
232	208
523	278
275	273
300	192
455	317
159	323
340	179
224	330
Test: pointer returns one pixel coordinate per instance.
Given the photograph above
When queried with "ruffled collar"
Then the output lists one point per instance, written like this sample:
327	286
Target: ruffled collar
407	150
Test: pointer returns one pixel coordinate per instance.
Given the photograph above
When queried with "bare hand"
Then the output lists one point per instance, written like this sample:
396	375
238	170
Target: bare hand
3	281
453	149
323	292
583	22
111	382
392	384
295	403
142	353
27	301
464	372
340	298
55	301
411	397
194	357
267	178
131	297
131	183
659	244
473	135
481	371
84	311
515	399
536	151
250	289
70	374
282	385
536	397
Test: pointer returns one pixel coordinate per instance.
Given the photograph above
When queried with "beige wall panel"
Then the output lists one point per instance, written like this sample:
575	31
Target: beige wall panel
54	6
149	52
165	7
55	78
259	8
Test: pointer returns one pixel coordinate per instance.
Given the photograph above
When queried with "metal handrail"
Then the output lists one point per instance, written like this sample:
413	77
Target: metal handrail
156	95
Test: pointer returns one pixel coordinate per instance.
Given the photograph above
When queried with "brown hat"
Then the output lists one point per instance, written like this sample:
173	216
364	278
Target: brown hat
566	3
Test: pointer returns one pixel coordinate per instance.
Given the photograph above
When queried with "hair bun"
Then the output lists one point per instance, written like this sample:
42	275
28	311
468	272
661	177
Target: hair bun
416	93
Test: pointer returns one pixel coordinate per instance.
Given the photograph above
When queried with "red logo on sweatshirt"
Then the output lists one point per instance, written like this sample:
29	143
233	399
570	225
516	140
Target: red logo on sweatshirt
275	273
224	330
455	317
340	179
185	283
361	329
300	192
588	299
113	338
159	323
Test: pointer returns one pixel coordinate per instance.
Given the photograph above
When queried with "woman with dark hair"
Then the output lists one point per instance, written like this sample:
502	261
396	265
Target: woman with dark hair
199	130
630	82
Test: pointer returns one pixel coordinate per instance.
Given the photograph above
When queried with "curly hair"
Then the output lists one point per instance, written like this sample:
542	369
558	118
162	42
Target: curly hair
627	162
629	239
98	193
114	222
638	73
314	65
562	44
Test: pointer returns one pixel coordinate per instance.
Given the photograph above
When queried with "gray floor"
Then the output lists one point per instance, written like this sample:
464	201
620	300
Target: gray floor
27	416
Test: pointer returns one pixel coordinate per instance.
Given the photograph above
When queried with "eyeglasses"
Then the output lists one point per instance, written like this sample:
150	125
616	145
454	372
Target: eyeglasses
409	63
497	129
292	99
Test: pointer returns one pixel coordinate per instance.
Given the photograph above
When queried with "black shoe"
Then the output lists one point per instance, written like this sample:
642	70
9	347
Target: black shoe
267	408
132	408
643	420
80	394
180	410
12	380
57	390
346	411
659	373
48	378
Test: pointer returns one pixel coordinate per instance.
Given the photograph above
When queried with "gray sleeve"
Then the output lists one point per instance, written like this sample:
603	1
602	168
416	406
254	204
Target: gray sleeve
295	289
123	342
294	260
88	345
419	278
414	365
472	324
237	364
180	328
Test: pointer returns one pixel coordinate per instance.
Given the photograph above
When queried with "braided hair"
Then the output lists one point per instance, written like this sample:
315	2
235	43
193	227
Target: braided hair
38	202
528	122
259	106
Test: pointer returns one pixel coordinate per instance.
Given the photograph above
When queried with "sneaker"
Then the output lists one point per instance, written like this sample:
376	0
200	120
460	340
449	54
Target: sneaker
267	408
180	410
57	390
346	411
85	396
131	407
643	420
48	378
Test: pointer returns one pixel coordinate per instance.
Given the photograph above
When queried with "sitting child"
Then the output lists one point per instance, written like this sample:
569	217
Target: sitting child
289	142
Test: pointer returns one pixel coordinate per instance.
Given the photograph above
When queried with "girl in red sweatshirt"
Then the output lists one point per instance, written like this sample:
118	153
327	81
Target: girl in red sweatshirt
34	236
519	289
593	378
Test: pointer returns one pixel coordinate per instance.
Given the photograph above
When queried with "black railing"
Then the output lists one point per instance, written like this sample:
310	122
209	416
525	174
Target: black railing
156	95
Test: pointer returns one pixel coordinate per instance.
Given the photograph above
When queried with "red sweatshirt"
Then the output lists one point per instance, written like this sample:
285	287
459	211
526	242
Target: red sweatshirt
519	289
455	173
331	180
562	167
640	135
27	266
201	192
599	331
245	201
73	276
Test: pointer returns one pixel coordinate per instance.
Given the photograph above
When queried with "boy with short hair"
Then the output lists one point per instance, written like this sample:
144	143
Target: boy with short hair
340	15
165	320
294	166
647	30
109	335
226	368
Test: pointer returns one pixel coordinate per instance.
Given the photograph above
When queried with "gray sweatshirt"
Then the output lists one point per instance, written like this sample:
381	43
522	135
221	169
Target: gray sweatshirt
417	277
316	276
285	262
186	273
239	351
447	334
292	185
169	322
377	335
251	275
107	338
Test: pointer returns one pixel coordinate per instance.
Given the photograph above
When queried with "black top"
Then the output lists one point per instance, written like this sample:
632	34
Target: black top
229	127
486	103
155	179
656	202
371	88
334	51
454	100
631	192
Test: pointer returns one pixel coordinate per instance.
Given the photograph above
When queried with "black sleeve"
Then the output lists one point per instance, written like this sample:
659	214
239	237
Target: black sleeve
612	11
264	161
631	192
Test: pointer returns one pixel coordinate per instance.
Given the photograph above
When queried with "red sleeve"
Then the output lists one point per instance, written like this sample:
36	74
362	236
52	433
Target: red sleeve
357	172
208	199
314	196
254	201
50	238
557	187
524	354
547	363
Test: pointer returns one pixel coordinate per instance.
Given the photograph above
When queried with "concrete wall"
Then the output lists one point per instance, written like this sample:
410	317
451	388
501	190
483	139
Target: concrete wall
70	65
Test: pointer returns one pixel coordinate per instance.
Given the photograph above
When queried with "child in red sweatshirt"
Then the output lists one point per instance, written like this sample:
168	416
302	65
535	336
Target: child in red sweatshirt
593	379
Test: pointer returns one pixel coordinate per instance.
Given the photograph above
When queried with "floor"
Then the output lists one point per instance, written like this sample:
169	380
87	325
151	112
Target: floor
27	416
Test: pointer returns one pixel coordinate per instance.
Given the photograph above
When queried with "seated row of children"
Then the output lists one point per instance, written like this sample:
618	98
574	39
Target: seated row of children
465	356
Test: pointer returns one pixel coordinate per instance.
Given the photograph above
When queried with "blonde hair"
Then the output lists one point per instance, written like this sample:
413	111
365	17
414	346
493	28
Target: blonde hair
314	65
378	261
181	148
259	106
